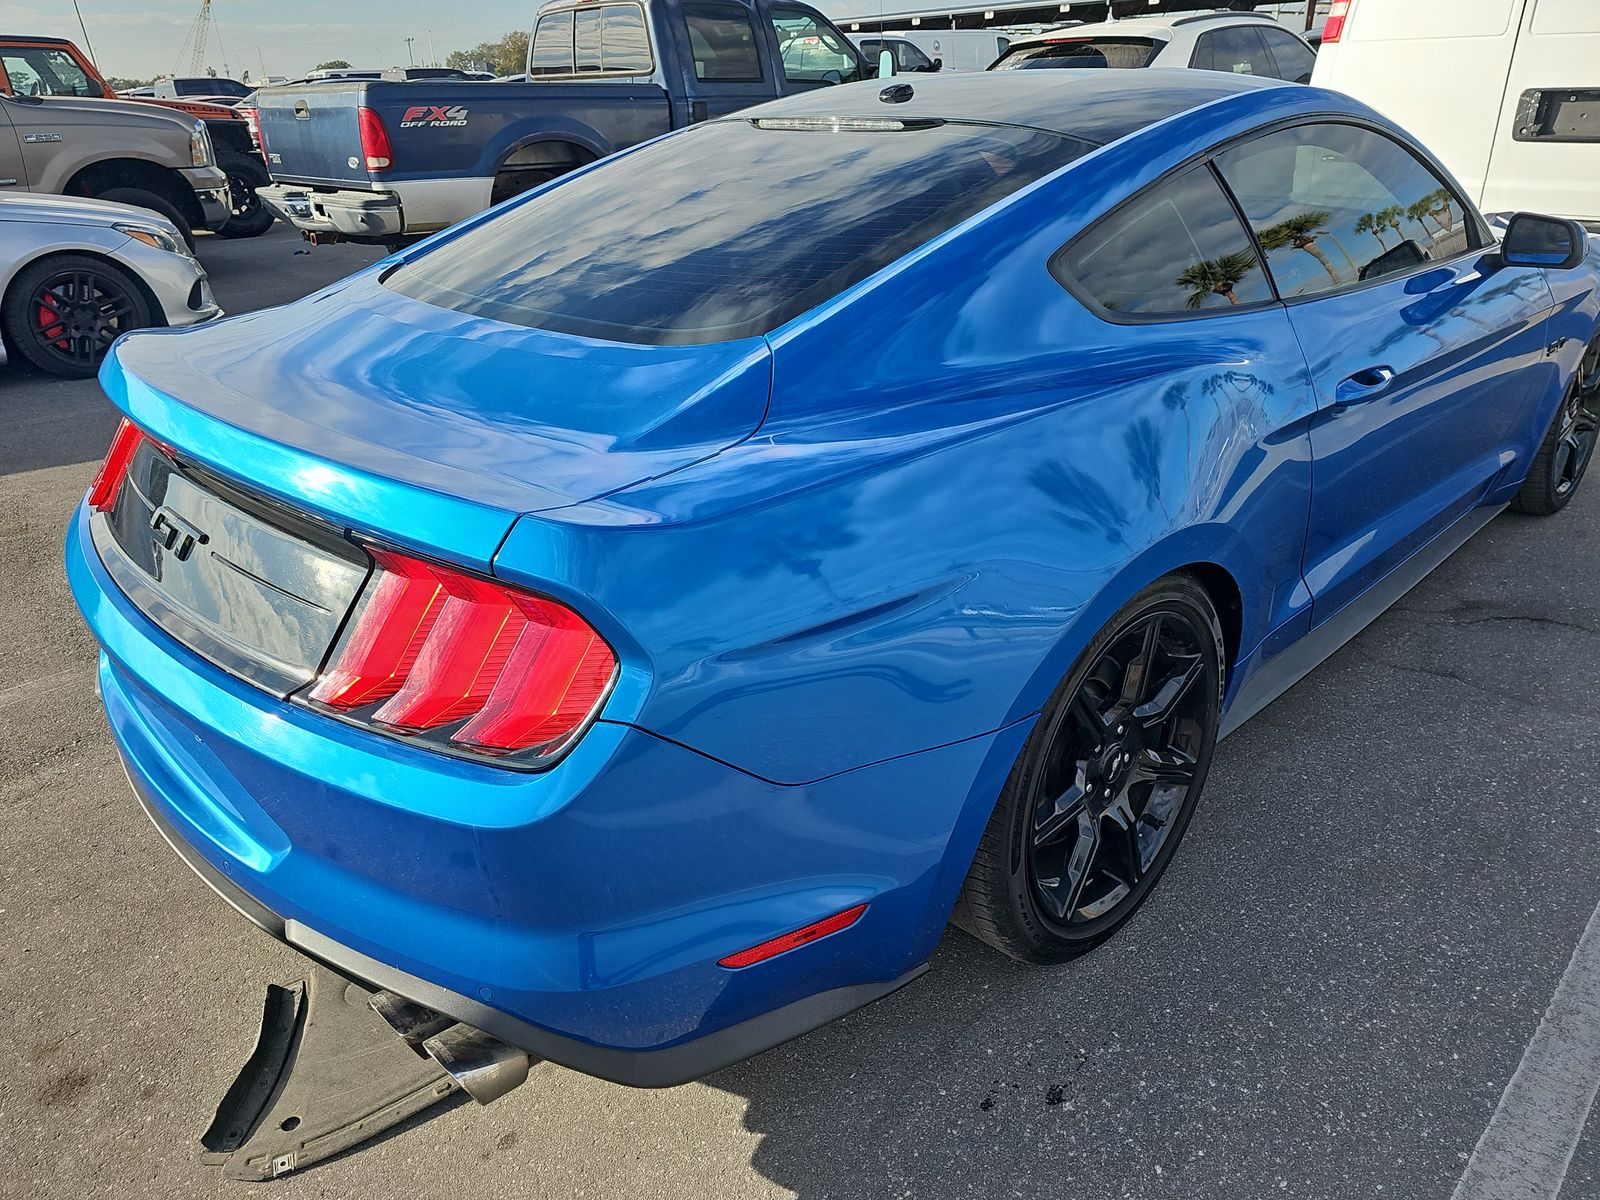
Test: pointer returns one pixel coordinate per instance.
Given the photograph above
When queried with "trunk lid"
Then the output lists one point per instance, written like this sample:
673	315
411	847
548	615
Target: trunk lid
310	134
427	427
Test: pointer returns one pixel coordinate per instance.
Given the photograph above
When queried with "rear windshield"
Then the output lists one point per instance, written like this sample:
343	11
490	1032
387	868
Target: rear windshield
729	229
1079	52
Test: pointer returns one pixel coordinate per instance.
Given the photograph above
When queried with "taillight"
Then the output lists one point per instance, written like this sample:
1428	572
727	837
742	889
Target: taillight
108	481
803	936
375	146
465	662
1338	17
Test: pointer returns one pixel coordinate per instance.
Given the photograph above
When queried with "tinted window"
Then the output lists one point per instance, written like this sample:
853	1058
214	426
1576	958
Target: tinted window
1178	247
907	57
723	42
552	46
1079	52
586	40
625	44
1334	205
746	227
1290	53
1235	48
810	50
39	72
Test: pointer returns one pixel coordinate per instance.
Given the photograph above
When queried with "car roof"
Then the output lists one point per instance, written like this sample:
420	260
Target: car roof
1162	27
1094	106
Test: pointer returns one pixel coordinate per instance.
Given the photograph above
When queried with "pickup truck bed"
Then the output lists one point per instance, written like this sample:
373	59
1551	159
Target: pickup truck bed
385	160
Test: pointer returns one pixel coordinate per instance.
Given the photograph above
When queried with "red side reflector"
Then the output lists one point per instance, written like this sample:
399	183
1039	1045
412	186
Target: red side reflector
1338	18
438	646
108	481
375	146
793	941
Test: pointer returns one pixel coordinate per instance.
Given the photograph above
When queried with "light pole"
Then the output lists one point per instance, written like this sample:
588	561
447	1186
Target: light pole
411	57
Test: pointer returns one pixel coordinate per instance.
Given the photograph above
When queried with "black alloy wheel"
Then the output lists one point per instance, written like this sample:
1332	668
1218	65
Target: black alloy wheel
61	314
250	217
1569	446
1106	785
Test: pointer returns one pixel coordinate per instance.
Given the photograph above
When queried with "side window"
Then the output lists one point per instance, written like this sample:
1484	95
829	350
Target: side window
552	46
812	52
36	72
908	57
1176	248
1336	205
723	42
586	40
1294	57
625	44
1235	48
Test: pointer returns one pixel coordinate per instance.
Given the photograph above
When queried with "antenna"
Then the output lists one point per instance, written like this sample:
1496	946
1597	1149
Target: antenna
84	29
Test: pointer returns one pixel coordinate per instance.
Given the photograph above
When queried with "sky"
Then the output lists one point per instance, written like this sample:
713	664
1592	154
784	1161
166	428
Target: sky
139	39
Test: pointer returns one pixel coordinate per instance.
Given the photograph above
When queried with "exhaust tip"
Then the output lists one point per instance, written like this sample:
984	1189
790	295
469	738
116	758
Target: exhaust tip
414	1022
484	1066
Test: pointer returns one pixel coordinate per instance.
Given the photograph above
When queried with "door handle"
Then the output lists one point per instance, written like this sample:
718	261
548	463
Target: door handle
1363	385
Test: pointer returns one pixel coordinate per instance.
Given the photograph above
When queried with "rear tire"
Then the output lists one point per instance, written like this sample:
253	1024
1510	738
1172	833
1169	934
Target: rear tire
251	218
1563	457
62	313
142	198
1104	788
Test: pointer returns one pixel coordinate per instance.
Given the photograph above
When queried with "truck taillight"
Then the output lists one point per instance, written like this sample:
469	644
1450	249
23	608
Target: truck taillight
1338	18
108	480
375	146
465	663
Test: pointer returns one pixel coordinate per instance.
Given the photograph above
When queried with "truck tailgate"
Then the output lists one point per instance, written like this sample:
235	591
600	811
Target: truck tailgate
310	134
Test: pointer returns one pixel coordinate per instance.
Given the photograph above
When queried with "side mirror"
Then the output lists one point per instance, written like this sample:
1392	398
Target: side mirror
1532	240
885	63
938	65
91	87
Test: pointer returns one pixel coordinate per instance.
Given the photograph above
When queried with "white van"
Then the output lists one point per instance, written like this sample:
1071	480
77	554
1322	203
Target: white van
1505	92
955	49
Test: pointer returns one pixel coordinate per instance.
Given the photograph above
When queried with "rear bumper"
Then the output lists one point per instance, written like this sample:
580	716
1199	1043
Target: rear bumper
579	913
636	1068
353	215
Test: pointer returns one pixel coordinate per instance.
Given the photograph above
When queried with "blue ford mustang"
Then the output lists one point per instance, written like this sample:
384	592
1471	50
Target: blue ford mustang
632	622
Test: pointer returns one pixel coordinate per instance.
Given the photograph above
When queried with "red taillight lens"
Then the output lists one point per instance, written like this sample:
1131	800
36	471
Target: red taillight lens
375	146
1338	18
438	646
108	482
793	941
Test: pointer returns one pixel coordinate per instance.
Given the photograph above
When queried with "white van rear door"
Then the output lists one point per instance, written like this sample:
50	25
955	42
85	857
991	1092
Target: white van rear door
1547	142
1436	67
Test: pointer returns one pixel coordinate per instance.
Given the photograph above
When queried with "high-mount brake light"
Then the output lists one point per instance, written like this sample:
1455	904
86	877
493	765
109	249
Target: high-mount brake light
793	940
375	148
1338	18
431	647
108	480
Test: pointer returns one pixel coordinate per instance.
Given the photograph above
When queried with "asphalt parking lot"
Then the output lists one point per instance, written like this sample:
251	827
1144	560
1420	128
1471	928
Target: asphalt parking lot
1327	997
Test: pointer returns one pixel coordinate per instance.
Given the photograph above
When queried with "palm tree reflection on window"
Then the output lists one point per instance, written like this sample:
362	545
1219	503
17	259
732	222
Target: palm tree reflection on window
1301	233
1215	277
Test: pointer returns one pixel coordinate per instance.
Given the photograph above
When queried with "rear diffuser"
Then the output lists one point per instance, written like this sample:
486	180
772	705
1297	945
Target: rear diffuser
327	1073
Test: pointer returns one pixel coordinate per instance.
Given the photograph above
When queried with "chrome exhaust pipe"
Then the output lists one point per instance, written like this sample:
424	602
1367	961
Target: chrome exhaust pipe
484	1066
414	1022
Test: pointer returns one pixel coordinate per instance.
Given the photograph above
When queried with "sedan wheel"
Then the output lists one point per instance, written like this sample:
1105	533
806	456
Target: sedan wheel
1105	786
1569	445
63	313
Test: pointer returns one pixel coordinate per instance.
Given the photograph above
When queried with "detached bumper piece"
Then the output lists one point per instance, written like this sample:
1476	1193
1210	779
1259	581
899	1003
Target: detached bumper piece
327	1073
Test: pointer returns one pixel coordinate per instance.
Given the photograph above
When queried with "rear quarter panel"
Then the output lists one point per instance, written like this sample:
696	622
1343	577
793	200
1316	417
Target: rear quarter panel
962	476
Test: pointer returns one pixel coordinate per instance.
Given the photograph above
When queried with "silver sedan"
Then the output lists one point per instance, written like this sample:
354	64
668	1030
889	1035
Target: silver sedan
75	273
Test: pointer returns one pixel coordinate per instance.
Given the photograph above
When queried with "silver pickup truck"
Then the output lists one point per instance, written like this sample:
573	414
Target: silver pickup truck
115	150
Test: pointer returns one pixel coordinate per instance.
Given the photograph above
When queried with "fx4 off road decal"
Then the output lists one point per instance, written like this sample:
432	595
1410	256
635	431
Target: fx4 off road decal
434	116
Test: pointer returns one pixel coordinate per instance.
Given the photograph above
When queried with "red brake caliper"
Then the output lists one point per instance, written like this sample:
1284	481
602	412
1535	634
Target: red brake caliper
49	319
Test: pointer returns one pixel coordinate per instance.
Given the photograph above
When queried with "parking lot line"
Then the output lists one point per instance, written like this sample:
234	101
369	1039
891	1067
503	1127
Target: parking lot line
1529	1142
